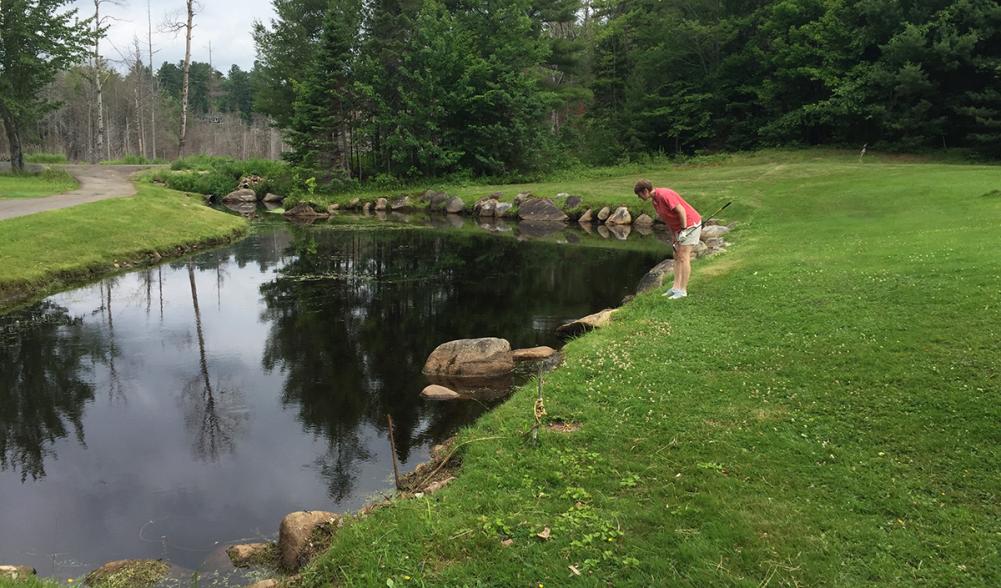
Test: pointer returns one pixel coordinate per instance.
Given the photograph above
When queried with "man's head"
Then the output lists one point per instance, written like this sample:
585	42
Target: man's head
643	189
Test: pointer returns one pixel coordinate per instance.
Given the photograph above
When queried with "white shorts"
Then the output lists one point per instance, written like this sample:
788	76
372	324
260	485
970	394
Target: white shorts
692	236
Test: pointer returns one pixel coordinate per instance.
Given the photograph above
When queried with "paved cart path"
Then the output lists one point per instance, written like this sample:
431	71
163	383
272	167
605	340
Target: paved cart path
97	182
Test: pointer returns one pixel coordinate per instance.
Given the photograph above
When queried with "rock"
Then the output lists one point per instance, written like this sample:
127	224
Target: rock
269	583
487	207
436	392
295	535
128	572
715	242
521	197
604	214
701	250
12	572
269	197
501	208
573	202
643	220
381	204
241	195
714	231
586	218
247	209
250	182
304	210
620	232
366	208
437	201
533	353
354	203
587	323
455	205
563	195
401	203
476	358
621	216
540	209
654	279
249	554
333	208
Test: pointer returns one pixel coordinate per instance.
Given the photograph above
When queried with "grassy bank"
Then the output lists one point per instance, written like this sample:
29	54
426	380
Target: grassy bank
44	252
823	410
36	185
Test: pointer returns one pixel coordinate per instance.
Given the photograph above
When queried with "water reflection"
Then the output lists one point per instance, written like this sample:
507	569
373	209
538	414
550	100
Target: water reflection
246	382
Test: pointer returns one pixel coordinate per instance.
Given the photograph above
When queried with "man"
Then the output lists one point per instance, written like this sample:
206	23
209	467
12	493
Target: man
685	224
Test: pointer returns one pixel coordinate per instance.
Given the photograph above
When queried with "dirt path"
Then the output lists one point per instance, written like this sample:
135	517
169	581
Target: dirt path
97	182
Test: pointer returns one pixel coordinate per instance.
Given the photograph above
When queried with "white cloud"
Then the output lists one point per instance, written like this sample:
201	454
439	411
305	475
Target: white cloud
226	24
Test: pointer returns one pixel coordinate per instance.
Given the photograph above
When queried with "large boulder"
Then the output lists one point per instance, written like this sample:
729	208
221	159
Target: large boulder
604	213
643	220
486	207
295	536
251	182
714	231
654	279
304	210
381	203
455	205
436	392
587	217
522	197
401	204
587	323
502	208
621	216
436	200
240	195
573	202
269	197
11	572
540	209
474	358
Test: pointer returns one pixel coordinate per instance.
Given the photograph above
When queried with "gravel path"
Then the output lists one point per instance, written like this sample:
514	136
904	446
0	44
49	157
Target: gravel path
97	182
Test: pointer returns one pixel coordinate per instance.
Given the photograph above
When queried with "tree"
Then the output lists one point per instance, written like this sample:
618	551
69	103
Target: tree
29	60
174	24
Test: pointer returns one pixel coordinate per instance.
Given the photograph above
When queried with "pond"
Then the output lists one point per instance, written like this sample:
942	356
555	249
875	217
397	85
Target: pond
165	412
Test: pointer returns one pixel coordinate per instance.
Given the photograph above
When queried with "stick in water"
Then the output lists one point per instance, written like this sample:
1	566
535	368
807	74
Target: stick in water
392	449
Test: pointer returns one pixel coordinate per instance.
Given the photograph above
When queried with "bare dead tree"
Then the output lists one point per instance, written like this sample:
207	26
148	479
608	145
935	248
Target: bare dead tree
152	79
100	28
174	25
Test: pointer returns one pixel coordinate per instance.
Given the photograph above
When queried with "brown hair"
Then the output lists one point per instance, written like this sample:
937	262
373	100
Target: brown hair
642	185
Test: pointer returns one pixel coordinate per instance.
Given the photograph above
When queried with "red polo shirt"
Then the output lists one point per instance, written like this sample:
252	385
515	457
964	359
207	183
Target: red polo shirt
664	202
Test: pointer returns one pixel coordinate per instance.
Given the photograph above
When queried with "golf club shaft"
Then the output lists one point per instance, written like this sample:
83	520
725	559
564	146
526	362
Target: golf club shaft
711	216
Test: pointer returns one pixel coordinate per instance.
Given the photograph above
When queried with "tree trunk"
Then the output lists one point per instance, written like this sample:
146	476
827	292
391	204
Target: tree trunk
97	81
184	86
152	82
13	140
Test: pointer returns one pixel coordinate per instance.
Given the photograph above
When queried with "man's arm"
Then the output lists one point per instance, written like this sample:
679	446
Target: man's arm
682	215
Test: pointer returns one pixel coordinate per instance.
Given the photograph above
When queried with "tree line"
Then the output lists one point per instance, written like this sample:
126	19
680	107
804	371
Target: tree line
430	87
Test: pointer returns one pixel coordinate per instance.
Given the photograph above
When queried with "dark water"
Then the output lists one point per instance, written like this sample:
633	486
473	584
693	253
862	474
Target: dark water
165	412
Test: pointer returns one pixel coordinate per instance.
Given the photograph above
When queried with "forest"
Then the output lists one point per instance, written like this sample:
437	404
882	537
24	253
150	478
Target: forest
360	89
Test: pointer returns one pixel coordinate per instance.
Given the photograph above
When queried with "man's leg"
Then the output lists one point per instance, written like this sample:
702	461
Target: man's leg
682	267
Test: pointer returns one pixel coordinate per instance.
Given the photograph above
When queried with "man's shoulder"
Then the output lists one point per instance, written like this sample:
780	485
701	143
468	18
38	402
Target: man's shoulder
665	193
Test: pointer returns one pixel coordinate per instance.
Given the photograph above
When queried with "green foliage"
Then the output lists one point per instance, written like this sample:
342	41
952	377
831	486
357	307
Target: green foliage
134	160
219	176
44	158
45	183
29	60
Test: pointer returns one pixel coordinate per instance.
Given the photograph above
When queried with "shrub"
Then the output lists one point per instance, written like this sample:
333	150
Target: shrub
45	158
219	175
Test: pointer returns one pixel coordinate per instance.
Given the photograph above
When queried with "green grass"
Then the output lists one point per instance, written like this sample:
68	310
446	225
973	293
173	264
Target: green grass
43	252
32	582
45	158
821	411
46	183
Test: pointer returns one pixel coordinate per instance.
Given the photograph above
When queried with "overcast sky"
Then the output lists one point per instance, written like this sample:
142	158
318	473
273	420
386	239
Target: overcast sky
226	23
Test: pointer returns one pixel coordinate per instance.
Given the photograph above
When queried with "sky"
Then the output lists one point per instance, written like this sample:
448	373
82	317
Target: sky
224	23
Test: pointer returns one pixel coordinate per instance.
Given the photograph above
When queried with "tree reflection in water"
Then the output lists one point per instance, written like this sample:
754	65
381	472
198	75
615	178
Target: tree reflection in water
212	415
44	383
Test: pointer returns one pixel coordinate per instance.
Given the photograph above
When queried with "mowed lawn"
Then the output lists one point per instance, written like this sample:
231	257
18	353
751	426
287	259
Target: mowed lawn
823	410
43	252
45	183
